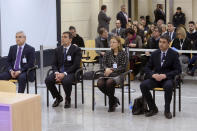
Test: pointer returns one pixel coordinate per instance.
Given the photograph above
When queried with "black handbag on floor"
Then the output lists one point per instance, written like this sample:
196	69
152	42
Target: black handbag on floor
139	106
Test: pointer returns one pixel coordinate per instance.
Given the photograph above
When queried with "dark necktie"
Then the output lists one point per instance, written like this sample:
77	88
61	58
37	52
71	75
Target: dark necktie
64	59
163	58
18	59
117	32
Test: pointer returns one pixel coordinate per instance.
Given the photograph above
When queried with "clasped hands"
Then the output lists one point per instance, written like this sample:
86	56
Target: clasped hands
15	74
59	76
108	71
159	77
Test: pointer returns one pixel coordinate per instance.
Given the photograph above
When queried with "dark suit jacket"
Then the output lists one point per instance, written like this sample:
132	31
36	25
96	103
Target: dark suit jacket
121	32
173	36
103	20
28	53
178	19
69	66
186	45
78	40
120	16
171	67
159	15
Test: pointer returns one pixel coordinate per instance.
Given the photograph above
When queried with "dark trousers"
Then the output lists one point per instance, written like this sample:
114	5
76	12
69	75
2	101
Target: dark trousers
21	80
66	82
107	86
149	84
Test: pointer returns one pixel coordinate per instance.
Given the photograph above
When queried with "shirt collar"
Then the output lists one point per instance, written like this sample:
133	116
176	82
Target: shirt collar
21	46
67	48
164	52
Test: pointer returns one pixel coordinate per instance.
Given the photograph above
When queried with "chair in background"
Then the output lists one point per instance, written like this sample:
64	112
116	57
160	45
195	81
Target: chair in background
90	55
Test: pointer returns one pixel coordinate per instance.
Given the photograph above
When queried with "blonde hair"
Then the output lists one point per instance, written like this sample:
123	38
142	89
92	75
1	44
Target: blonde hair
117	38
181	31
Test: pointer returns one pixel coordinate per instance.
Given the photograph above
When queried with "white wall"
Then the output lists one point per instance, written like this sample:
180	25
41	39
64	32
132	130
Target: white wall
37	18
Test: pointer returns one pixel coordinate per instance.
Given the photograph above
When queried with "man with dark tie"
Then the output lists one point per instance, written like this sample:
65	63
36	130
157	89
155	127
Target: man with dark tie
122	16
161	69
66	61
171	31
21	57
118	31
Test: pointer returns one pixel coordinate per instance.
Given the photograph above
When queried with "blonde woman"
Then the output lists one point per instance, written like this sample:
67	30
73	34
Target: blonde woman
181	42
115	63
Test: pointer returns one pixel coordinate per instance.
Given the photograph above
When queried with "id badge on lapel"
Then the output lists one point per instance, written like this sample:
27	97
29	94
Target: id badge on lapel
69	58
115	66
24	60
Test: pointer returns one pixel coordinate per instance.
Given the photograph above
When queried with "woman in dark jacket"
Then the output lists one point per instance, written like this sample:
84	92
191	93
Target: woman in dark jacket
181	42
115	63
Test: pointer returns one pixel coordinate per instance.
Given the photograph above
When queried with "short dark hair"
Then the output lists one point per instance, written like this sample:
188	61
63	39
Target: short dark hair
72	28
170	23
101	31
159	29
103	7
192	22
130	31
178	8
165	36
69	34
142	17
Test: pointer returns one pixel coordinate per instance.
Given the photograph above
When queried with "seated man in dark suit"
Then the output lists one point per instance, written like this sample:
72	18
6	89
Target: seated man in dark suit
21	57
161	69
66	61
118	31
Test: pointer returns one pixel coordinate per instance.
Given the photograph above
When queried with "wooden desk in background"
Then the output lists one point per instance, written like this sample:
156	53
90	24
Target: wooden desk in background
20	112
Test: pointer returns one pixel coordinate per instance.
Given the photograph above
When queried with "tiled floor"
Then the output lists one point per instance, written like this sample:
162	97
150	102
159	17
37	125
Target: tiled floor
84	119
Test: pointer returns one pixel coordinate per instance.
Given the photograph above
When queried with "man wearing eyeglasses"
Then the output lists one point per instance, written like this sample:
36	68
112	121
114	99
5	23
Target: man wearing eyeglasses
21	57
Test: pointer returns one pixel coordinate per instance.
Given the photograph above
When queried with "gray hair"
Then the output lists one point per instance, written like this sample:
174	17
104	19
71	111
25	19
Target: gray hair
122	6
21	32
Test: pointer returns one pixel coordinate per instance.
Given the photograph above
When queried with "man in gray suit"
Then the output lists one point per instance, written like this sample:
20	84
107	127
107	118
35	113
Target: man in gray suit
102	41
118	31
103	19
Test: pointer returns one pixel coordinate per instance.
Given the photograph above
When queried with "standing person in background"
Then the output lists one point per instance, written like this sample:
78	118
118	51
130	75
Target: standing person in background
122	16
178	17
159	13
103	19
77	40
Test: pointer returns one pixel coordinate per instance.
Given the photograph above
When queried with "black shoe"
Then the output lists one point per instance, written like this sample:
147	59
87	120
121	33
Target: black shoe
168	115
67	104
57	102
112	109
117	102
152	112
